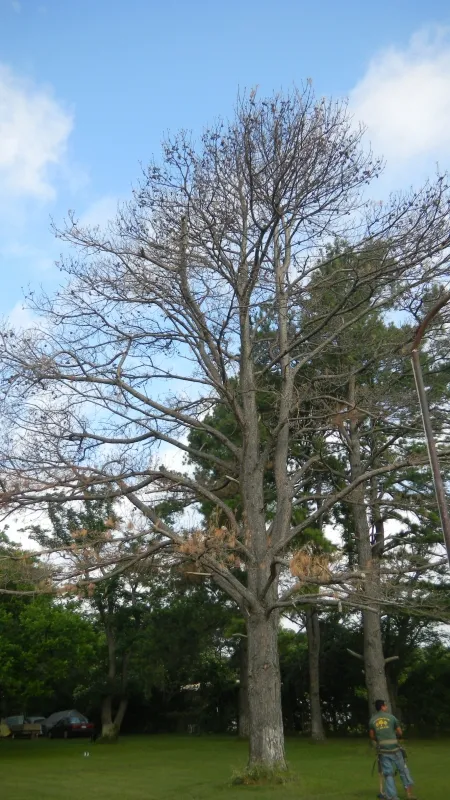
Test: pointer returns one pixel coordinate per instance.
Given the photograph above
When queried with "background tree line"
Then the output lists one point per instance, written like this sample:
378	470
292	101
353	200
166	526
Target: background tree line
54	654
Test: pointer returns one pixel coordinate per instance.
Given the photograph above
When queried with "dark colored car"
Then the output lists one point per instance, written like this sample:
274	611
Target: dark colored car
70	726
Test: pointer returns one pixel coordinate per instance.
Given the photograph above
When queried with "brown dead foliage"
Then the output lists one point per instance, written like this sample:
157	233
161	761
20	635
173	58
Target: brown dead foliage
310	565
216	541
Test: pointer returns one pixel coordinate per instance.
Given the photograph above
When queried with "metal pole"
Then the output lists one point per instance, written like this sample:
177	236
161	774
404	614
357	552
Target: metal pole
431	444
432	452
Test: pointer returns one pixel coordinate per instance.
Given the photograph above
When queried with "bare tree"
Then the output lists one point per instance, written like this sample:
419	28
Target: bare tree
160	322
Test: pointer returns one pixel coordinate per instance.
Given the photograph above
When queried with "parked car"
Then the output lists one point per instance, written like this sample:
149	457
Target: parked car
67	724
24	727
48	724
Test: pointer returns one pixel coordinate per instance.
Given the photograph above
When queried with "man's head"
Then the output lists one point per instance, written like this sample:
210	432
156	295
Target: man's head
380	705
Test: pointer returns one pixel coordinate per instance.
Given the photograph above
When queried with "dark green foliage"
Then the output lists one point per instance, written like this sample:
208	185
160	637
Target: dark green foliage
46	649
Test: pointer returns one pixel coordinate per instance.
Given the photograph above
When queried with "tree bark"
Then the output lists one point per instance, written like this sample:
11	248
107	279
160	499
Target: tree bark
313	634
108	729
109	732
244	714
120	714
377	688
111	724
393	693
374	666
264	693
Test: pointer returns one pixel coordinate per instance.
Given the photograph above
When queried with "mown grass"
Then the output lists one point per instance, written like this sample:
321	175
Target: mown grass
169	768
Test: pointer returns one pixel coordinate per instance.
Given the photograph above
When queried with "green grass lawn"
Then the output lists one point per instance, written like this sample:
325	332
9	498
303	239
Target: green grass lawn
165	768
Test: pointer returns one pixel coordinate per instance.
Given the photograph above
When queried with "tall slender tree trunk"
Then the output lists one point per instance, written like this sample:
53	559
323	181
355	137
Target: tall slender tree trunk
108	730
120	713
264	692
313	634
111	723
244	712
374	663
393	693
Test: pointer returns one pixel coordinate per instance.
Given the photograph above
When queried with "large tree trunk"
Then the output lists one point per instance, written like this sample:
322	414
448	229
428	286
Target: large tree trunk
108	728
244	712
377	688
264	692
374	663
266	741
313	633
111	725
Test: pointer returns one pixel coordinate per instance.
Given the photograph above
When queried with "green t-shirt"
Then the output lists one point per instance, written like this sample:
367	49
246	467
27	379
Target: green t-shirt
384	725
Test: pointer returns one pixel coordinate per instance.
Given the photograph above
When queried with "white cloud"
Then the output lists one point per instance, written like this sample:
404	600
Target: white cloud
16	6
34	131
21	317
404	100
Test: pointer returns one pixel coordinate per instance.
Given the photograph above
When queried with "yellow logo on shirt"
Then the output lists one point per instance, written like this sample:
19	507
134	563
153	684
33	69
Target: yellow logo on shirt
381	723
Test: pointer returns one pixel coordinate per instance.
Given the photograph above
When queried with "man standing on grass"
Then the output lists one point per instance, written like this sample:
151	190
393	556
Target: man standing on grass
384	730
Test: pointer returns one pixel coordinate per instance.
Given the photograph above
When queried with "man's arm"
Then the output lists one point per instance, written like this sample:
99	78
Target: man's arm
372	736
399	732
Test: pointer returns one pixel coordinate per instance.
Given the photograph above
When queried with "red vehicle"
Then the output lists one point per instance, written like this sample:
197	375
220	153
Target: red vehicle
67	725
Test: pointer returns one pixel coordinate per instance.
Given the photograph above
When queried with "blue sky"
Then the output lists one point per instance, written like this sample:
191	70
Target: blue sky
89	87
